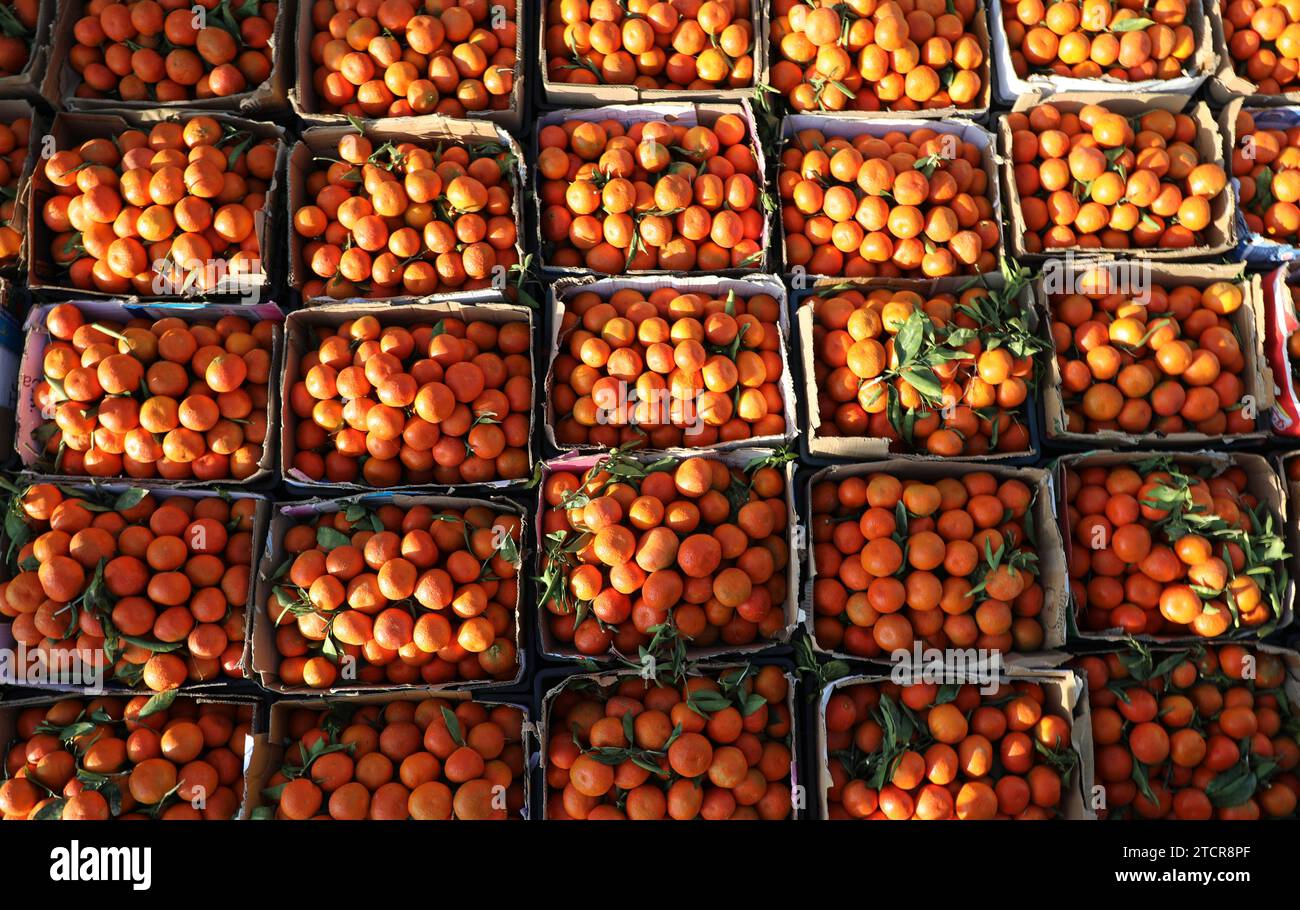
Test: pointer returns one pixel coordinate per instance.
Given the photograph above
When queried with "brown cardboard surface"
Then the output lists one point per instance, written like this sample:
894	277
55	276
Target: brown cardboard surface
322	142
1053	576
71	129
297	328
265	656
566	288
33	83
1218	237
1247	323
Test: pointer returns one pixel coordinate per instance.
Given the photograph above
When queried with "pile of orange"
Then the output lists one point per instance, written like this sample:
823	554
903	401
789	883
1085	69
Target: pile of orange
13	158
949	564
911	204
715	747
160	398
116	758
1263	40
402	219
618	197
160	50
692	549
1170	363
397	58
911	752
431	760
17	31
965	397
1266	162
151	589
1097	179
1160	549
349	580
158	213
652	44
1167	743
864	55
1091	39
676	369
446	402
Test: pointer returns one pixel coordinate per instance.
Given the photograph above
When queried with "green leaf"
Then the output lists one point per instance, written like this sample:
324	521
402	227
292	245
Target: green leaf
160	702
328	538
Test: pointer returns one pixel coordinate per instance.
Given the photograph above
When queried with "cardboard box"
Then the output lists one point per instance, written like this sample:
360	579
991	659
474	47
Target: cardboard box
551	647
611	678
11	352
265	654
299	340
703	114
12	708
1066	697
1247	323
267	752
11	110
566	289
572	95
71	129
1218	237
1254	248
822	448
1281	321
263	102
1199	67
1053	575
108	493
311	108
321	142
837	126
1262	481
38	78
1225	84
32	372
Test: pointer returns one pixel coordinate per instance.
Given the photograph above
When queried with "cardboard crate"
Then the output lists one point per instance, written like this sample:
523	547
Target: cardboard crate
265	654
1262	481
551	648
1247	322
1066	697
299	339
1053	576
266	101
1219	237
321	142
267	751
31	373
565	289
71	129
38	79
